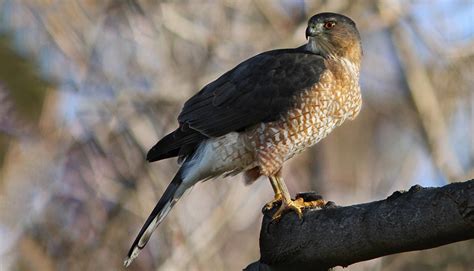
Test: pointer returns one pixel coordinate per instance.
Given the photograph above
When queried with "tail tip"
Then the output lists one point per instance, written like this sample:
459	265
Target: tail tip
127	262
131	256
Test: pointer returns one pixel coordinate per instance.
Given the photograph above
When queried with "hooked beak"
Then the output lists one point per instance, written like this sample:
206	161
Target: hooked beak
312	31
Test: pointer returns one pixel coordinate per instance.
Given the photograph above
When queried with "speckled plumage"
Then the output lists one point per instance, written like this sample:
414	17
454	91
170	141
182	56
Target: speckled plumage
319	110
261	113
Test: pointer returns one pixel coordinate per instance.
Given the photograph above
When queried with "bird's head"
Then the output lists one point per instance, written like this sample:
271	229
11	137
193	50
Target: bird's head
332	34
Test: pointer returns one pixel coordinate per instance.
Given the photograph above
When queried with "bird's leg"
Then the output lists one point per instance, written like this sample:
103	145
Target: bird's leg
287	203
303	200
278	193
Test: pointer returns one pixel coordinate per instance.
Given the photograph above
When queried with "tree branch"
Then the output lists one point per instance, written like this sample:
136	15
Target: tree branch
420	218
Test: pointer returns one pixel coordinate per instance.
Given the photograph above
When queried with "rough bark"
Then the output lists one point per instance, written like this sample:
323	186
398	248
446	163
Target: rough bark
420	218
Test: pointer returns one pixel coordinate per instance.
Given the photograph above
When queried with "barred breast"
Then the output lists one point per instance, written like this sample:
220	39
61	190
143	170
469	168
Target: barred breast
266	146
318	110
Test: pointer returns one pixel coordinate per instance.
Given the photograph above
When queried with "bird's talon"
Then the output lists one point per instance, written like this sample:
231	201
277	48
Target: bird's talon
297	206
315	204
293	205
277	199
311	200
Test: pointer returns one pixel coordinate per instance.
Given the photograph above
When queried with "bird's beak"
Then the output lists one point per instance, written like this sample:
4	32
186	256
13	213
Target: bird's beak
313	31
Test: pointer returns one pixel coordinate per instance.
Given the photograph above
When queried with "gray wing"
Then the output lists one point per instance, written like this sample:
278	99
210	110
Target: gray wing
258	90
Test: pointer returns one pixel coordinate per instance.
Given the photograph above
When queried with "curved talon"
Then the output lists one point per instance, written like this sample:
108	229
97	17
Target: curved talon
314	203
278	198
282	194
297	206
293	205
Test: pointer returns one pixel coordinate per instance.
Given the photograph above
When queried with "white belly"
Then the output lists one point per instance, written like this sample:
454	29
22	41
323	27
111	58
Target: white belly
227	155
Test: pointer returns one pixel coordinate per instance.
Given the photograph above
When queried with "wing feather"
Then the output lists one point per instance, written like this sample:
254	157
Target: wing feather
260	89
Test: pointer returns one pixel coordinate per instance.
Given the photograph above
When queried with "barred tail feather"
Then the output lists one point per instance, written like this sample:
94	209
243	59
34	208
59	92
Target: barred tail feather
162	208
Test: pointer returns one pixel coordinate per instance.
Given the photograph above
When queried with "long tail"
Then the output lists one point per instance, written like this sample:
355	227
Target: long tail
162	208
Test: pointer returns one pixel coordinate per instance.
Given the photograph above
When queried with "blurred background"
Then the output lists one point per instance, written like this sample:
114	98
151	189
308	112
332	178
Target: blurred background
87	87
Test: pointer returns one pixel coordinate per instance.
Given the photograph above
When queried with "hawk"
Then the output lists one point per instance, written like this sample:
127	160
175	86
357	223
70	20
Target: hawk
261	113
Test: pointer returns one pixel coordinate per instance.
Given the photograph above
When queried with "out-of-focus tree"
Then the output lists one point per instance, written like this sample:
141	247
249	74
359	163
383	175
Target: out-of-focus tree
86	87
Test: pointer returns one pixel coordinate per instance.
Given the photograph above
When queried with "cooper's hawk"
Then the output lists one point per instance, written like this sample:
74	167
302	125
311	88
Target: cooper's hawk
261	113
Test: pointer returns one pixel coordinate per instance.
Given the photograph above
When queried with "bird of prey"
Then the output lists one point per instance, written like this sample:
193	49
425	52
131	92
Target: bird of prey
261	113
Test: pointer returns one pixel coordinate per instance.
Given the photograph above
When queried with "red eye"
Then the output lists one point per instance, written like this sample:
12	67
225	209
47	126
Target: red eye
329	25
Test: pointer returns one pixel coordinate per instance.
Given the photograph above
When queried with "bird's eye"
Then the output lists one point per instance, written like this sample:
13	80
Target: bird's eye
329	25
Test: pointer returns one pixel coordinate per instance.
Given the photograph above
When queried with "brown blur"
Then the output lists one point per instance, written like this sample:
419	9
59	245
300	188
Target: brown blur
87	87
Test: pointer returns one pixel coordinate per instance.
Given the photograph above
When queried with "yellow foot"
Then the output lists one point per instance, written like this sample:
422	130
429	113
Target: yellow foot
313	204
311	200
292	205
297	206
278	198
